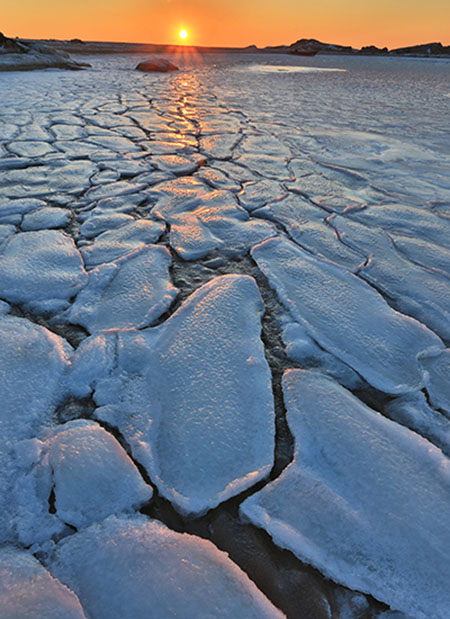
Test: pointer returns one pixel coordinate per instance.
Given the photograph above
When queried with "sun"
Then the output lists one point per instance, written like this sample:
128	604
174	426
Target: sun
183	34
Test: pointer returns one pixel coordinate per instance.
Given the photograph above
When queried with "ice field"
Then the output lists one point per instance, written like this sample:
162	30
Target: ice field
224	339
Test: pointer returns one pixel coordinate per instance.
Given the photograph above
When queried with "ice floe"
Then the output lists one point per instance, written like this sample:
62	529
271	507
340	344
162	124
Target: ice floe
193	396
28	591
410	288
40	270
347	317
113	244
86	472
365	500
131	292
111	567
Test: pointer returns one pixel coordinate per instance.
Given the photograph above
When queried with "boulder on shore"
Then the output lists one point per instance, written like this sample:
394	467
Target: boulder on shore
20	55
159	65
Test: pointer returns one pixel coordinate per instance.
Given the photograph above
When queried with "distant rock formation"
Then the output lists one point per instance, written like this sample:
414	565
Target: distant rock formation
310	47
19	55
373	50
429	49
159	65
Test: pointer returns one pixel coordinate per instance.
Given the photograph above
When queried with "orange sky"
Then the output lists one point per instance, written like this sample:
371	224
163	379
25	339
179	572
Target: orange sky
231	22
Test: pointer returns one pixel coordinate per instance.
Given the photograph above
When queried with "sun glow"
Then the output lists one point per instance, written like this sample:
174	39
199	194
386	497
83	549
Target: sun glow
183	34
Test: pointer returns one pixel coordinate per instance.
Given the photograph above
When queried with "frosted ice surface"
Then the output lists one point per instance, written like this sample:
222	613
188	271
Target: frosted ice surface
256	194
31	383
307	226
46	217
411	288
59	175
31	386
113	244
129	293
97	223
420	223
347	317
433	257
28	591
365	500
139	568
12	211
202	220
89	473
109	190
193	396
6	231
41	270
412	410
438	379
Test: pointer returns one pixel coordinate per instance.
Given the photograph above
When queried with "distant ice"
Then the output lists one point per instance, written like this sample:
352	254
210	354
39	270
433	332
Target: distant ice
28	591
365	500
139	568
268	68
193	396
347	317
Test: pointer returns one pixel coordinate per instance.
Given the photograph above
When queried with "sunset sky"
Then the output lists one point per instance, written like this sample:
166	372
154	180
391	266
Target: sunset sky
231	22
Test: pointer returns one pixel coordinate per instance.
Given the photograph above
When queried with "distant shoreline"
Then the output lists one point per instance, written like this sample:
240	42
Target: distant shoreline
76	46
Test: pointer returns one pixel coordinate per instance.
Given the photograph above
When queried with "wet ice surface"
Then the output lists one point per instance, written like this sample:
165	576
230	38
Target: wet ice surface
121	196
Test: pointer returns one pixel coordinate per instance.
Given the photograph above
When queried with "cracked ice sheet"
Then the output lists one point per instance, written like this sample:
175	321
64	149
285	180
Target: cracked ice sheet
31	385
131	292
306	225
412	289
192	396
347	317
192	577
41	270
89	473
202	220
28	591
365	500
113	244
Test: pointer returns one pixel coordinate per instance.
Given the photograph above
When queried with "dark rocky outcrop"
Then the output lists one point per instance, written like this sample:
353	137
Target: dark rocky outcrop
313	46
20	55
159	65
425	49
373	50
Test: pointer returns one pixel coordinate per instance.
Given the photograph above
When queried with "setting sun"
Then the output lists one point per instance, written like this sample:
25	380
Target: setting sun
183	34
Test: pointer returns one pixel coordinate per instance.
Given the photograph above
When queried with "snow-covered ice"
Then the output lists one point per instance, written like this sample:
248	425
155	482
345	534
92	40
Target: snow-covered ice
139	568
41	270
365	500
28	591
119	190
347	317
85	469
193	396
131	292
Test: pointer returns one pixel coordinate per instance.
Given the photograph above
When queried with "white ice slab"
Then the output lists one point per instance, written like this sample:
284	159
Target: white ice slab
437	368
140	568
114	244
28	591
193	396
412	289
46	218
347	317
203	220
40	270
129	293
365	500
88	472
